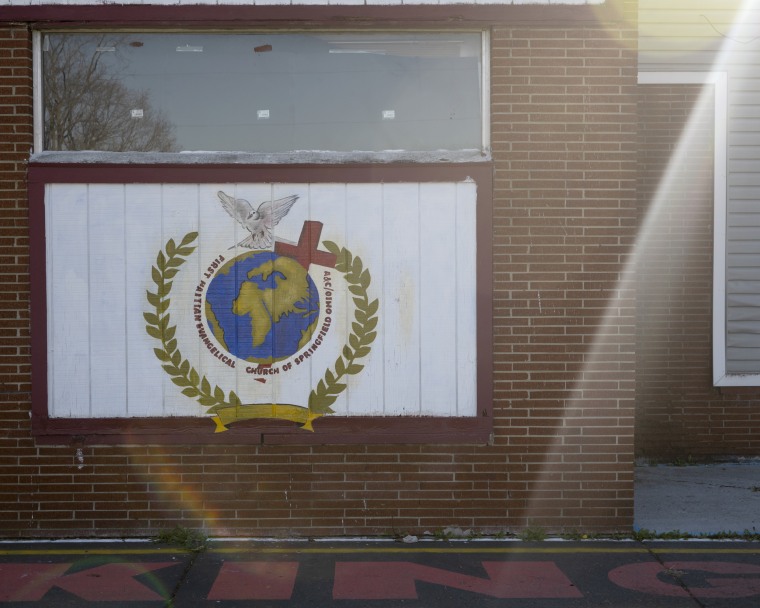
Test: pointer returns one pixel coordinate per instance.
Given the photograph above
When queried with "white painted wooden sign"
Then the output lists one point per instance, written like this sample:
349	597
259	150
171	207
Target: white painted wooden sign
252	300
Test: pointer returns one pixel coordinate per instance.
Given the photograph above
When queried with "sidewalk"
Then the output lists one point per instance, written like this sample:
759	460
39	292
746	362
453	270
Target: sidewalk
698	499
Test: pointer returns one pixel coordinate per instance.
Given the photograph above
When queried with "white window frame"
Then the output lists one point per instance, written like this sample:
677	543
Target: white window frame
483	154
719	82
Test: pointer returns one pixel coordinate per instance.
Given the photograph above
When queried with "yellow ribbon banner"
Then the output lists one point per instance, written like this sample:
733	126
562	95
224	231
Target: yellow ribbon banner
295	413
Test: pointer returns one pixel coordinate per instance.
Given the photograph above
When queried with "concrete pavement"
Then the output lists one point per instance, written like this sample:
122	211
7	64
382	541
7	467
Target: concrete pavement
699	499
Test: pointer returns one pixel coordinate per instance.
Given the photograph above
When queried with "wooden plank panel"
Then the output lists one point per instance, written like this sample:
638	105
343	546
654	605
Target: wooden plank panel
749	312
689	5
745	206
741	248
748	299
741	366
401	295
217	235
739	288
661	16
290	226
744	262
143	241
68	301
737	138
179	216
742	234
748	111
108	308
415	366
652	57
746	220
222	235
747	152
438	299
735	273
467	287
327	204
364	221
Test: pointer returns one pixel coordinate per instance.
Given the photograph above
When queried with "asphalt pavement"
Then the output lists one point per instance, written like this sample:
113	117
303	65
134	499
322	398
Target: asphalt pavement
548	574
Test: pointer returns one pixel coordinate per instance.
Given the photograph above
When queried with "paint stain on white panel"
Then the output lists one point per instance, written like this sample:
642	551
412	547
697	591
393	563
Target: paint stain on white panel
408	305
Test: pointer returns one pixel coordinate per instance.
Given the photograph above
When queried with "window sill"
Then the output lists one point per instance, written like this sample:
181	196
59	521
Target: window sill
258	158
476	430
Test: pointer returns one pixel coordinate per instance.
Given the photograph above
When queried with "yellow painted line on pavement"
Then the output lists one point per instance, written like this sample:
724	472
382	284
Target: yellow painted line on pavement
487	550
708	551
546	550
55	551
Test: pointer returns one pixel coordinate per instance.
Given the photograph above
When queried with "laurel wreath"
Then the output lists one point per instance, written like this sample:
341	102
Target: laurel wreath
158	326
361	336
195	386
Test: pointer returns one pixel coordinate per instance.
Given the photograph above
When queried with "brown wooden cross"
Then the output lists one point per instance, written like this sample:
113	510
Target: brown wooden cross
306	252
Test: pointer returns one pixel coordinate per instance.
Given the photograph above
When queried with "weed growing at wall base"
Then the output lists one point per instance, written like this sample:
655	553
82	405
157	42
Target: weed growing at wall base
187	538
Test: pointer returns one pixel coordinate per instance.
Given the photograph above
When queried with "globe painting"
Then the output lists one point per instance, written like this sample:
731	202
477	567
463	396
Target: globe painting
262	307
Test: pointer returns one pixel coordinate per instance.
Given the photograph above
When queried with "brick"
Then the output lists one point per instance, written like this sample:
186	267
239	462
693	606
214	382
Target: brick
565	163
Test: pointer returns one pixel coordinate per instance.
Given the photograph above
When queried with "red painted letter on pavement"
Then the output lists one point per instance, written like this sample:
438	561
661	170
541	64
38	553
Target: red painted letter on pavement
254	581
28	582
644	577
397	580
110	582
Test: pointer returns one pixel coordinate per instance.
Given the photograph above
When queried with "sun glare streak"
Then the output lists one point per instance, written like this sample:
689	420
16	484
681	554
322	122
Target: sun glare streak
610	359
168	490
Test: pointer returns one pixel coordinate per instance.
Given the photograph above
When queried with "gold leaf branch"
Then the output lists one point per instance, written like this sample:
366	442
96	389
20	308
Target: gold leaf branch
159	326
362	331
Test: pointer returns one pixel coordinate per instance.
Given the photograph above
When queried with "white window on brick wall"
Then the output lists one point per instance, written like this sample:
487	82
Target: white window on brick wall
229	242
262	92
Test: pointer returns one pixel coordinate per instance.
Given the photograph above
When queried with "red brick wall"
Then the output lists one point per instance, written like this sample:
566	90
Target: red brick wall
564	138
680	415
15	365
564	128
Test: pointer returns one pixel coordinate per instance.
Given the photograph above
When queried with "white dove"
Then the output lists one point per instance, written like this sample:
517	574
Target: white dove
259	222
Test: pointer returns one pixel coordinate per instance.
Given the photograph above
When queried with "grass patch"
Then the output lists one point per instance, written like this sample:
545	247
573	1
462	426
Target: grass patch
187	538
644	534
532	534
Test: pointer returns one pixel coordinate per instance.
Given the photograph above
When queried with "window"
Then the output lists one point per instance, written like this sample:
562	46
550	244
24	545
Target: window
362	312
262	92
356	320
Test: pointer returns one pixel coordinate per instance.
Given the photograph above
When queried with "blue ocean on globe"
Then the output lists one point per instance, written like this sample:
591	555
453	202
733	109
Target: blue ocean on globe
262	307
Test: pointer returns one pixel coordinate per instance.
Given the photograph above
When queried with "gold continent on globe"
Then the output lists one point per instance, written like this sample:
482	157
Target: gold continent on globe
262	307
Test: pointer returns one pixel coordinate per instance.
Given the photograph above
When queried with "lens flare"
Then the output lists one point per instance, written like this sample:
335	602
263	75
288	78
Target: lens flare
175	492
592	426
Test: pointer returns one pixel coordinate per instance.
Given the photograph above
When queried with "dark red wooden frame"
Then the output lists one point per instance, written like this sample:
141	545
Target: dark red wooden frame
328	430
335	16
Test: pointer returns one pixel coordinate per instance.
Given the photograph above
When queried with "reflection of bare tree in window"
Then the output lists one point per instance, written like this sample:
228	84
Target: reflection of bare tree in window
88	108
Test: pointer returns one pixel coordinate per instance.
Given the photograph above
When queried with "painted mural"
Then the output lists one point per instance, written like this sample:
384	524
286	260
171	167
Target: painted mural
248	301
